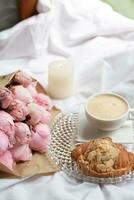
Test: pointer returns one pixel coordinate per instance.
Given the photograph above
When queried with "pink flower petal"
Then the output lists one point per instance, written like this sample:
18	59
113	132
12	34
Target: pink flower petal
32	88
6	97
21	153
37	114
6	123
22	78
22	133
18	110
4	142
44	101
21	94
40	138
42	129
7	159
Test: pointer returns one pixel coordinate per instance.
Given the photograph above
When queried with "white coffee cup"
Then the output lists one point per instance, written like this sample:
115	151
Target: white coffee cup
104	123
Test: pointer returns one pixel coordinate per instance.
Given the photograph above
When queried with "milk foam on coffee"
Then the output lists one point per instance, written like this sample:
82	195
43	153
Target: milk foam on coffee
107	106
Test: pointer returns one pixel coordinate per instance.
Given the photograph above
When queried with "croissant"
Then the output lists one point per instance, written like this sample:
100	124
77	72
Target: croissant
103	158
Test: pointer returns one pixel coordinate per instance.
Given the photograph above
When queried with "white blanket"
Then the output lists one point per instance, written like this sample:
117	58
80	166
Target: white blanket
100	43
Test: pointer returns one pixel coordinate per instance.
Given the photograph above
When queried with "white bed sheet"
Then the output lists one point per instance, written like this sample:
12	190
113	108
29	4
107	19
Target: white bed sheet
100	43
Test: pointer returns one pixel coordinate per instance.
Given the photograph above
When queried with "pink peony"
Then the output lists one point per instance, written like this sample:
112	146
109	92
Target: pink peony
40	138
21	152
37	114
22	79
32	88
22	133
44	101
7	159
18	110
6	97
21	93
7	124
4	142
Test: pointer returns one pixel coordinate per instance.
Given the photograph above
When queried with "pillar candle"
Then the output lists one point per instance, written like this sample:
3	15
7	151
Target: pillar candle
60	79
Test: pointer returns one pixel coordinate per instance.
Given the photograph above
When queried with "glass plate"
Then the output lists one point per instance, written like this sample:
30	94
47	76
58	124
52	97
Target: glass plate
64	132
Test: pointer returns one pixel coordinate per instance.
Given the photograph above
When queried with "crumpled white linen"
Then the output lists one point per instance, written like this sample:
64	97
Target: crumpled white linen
100	42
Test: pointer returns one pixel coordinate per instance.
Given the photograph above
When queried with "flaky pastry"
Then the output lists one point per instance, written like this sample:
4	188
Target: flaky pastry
103	158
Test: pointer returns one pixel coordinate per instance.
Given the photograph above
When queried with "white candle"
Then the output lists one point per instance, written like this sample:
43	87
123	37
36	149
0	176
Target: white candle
60	79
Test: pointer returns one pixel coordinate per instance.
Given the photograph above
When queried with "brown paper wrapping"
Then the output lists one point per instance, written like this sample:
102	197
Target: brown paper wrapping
40	163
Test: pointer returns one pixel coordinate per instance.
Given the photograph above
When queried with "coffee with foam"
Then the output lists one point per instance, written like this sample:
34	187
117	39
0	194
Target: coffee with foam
107	106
